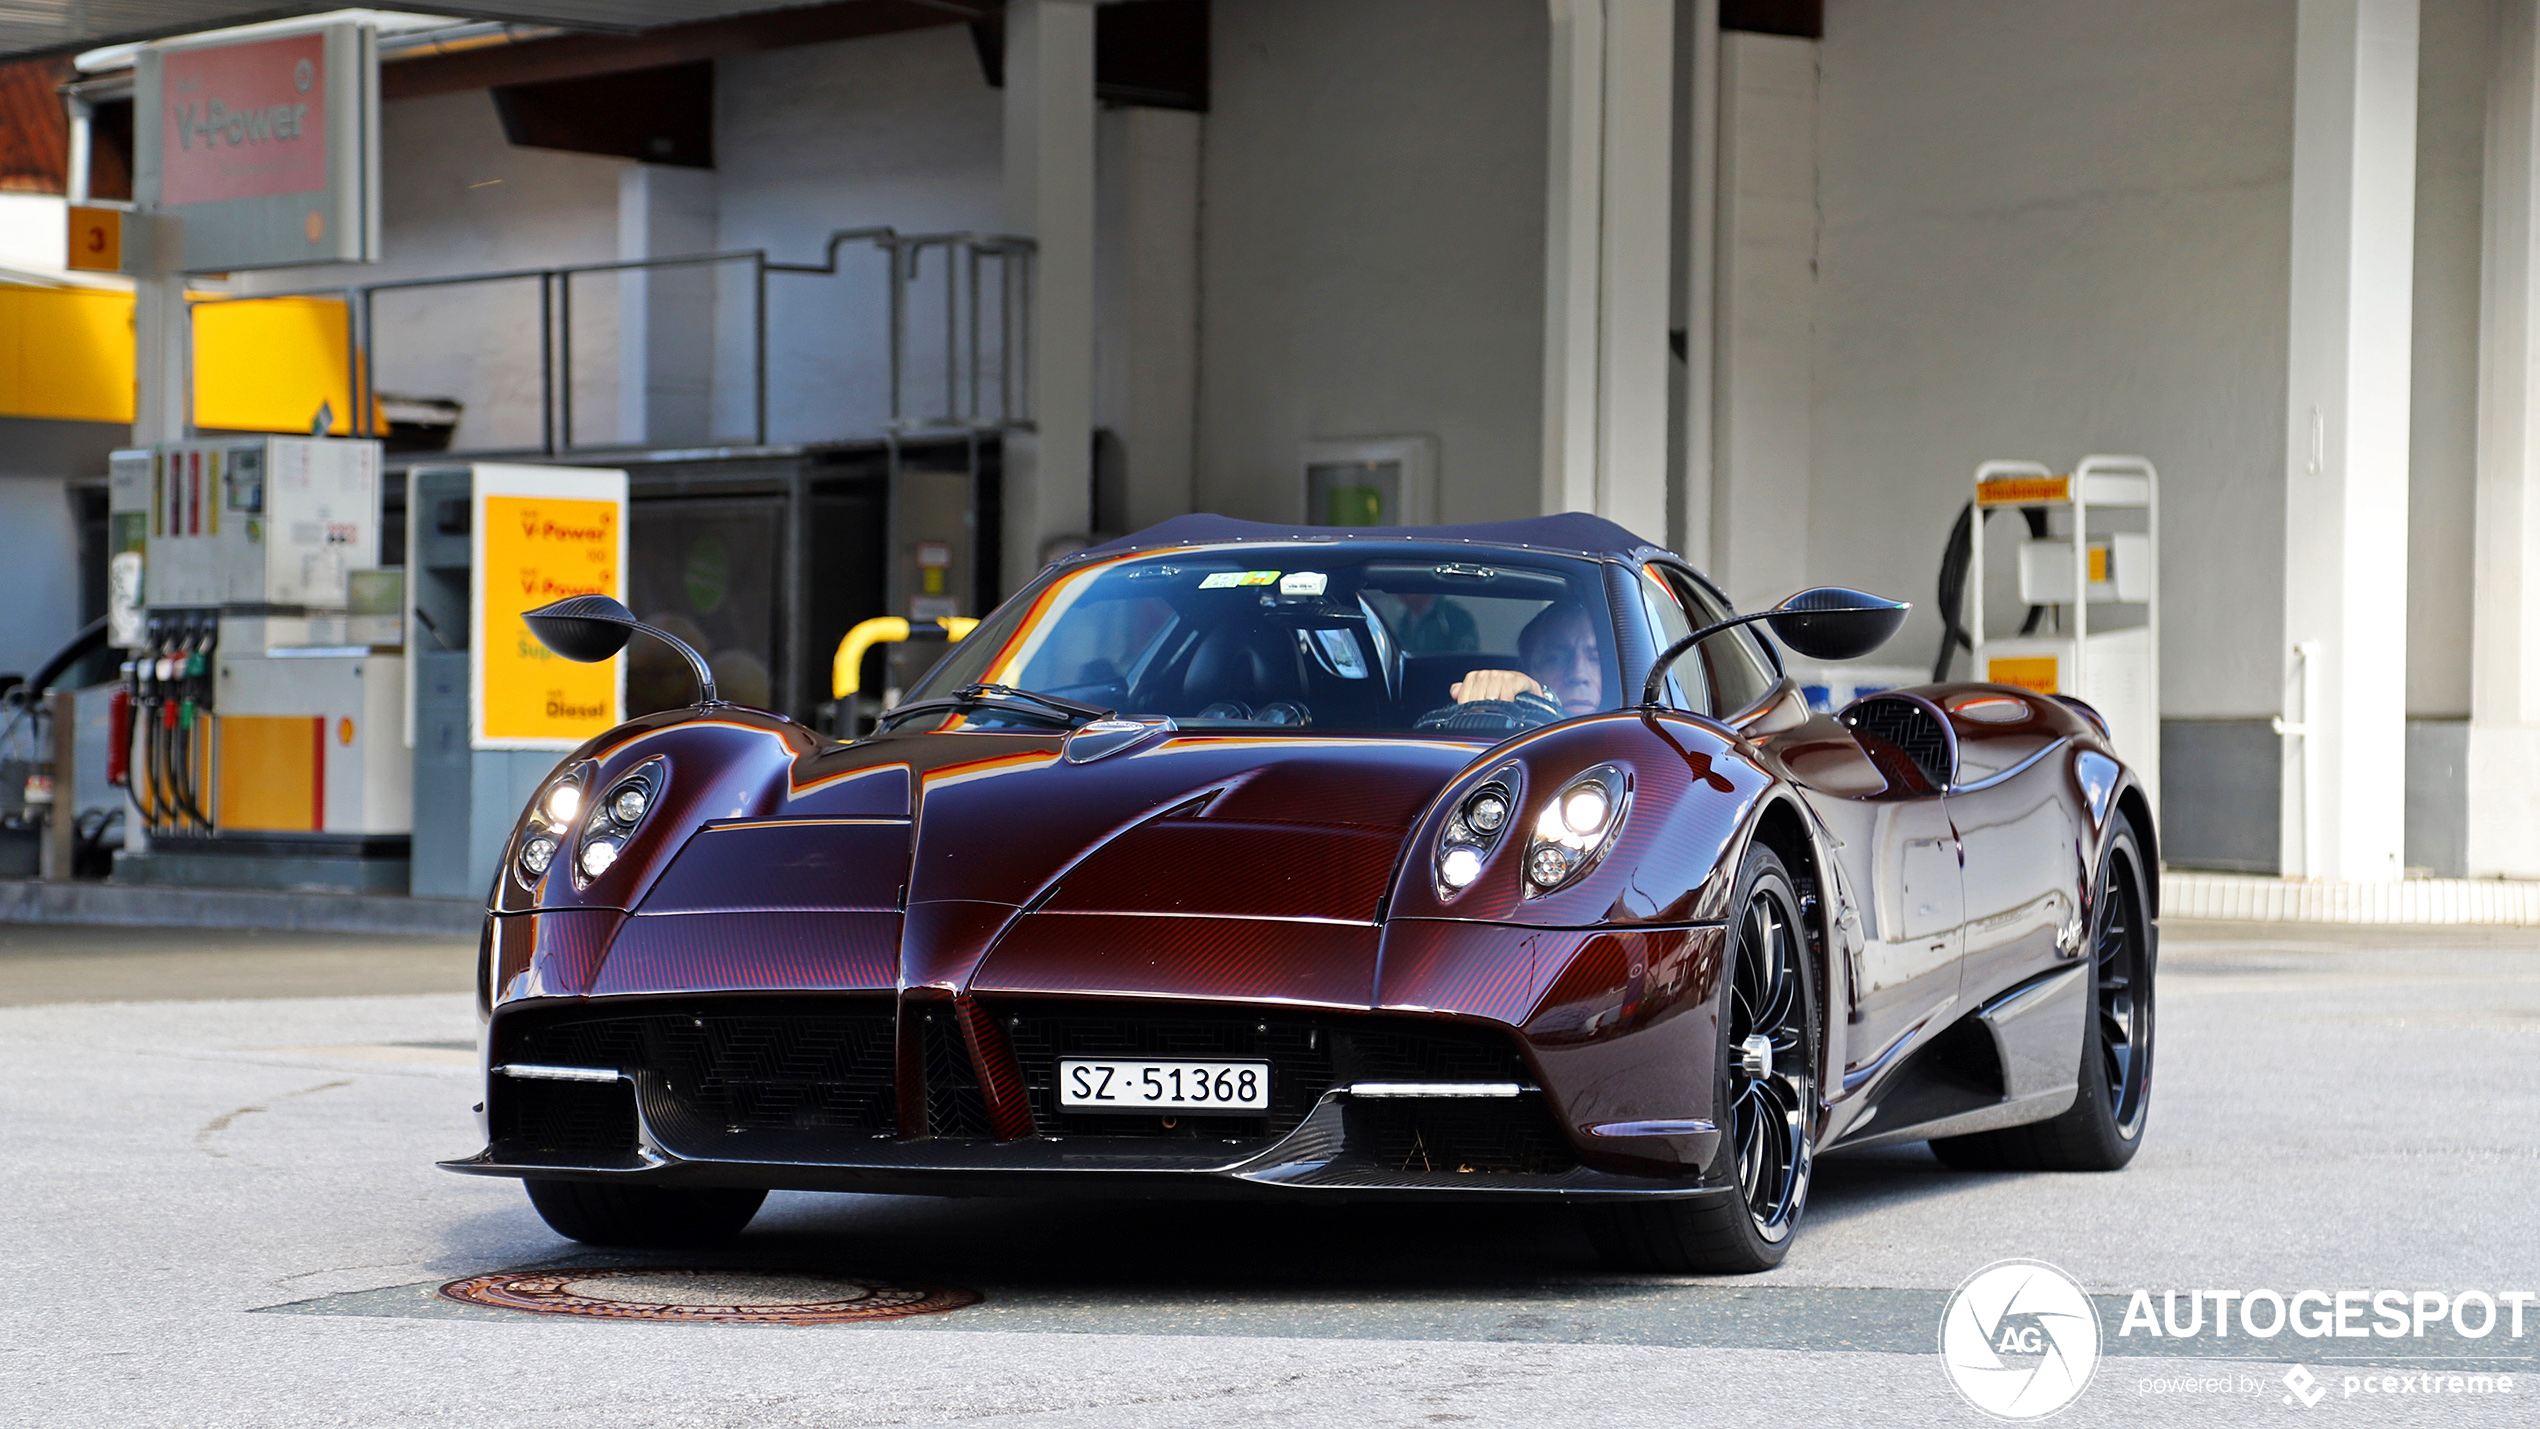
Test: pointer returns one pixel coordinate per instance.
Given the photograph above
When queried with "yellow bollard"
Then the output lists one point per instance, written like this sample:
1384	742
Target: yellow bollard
846	674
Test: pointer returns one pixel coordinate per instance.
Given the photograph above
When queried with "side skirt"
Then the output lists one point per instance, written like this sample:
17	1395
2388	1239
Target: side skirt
2015	1060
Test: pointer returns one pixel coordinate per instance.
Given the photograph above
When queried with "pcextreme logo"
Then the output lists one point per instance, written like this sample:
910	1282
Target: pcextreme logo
2020	1339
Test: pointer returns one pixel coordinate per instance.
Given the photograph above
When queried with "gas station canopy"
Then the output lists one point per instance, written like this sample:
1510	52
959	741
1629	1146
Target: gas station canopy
42	29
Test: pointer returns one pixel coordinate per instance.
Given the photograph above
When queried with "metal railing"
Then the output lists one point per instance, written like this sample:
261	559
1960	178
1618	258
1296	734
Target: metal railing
987	379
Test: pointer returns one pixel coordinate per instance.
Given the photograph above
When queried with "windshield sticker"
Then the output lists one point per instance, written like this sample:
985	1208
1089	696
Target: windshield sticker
1302	583
1223	580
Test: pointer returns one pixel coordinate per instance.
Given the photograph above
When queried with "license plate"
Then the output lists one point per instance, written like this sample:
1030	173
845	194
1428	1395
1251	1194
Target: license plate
1164	1086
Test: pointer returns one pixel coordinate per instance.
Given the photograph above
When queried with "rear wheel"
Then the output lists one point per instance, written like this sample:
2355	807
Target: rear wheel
598	1213
2104	1126
1766	1086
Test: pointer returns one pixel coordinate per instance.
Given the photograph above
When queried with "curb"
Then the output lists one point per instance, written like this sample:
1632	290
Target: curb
29	901
2243	898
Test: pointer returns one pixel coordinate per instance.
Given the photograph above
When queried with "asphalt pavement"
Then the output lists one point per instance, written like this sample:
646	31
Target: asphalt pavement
219	1207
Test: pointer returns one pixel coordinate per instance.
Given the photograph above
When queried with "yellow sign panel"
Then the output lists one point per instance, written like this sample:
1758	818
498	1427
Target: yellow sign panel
2098	565
540	549
2023	490
272	774
270	365
65	353
2029	672
96	239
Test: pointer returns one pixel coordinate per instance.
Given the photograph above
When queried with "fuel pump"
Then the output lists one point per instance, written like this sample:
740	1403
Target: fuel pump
164	723
2087	578
258	723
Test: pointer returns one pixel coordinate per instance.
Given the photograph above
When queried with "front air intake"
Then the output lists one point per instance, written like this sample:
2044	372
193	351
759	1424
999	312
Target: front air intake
1913	727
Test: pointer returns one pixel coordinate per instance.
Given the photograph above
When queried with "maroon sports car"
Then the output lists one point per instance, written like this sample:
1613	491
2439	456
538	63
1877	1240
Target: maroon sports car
1241	860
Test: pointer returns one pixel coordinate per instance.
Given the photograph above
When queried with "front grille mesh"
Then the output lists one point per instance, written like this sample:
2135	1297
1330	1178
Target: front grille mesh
954	1104
722	1070
1430	1053
1462	1137
569	1121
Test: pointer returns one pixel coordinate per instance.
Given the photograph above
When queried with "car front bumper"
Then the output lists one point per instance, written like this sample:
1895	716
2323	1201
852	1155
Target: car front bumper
1335	1153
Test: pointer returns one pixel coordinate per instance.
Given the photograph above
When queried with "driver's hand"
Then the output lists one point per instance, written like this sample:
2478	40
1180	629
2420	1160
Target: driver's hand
1480	685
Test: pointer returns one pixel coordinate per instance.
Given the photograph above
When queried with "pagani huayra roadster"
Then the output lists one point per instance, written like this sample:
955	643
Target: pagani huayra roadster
1245	861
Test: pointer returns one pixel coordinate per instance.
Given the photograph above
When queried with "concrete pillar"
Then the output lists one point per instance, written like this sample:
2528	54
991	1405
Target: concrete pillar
1766	298
1697	192
1146	357
163	372
666	316
2503	762
162	332
2346	439
1606	259
1049	198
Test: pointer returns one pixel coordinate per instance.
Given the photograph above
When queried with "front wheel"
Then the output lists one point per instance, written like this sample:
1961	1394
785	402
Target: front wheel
597	1213
1765	1074
2104	1127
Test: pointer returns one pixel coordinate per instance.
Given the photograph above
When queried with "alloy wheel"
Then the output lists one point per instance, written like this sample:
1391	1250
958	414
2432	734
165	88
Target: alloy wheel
1772	1079
2125	1013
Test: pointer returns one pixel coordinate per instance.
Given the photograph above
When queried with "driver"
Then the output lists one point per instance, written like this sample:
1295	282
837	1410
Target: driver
1564	676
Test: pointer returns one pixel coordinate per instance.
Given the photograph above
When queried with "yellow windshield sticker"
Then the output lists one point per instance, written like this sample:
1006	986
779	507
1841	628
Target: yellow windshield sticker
1224	580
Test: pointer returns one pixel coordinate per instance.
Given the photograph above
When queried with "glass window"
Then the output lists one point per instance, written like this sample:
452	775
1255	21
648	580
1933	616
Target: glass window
1667	624
1333	637
1735	669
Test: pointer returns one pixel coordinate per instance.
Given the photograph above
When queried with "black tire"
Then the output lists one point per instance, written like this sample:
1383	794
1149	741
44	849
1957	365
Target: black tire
1769	1122
597	1213
2104	1127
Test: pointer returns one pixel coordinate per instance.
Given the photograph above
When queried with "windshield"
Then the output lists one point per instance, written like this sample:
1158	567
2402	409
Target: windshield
1333	638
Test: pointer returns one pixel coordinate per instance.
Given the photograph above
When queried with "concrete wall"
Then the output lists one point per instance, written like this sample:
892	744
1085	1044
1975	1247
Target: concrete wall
33	230
456	198
38	585
2453	58
1764	342
1146	312
2048	228
39	535
899	130
1371	261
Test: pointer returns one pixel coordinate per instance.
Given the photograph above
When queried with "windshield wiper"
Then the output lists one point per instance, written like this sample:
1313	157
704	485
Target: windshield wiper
1008	700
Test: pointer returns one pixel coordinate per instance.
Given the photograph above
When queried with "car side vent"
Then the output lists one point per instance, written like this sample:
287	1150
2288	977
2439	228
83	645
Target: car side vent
1910	726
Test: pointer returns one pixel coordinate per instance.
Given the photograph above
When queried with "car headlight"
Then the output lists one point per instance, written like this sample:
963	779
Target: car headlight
1472	831
551	816
536	852
1576	827
614	817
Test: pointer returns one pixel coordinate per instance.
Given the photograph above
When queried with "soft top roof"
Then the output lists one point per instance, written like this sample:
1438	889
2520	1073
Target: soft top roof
1570	533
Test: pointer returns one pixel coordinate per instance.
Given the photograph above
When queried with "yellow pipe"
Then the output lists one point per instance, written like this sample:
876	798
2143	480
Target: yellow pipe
846	675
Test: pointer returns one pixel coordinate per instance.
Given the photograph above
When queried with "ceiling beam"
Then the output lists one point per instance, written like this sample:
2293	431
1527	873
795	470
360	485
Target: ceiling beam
585	56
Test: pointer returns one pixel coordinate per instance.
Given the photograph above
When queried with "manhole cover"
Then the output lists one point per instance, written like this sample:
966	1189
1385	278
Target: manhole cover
719	1296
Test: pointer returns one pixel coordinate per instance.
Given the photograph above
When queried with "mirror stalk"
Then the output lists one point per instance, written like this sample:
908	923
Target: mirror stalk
592	628
1669	656
1827	623
697	665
